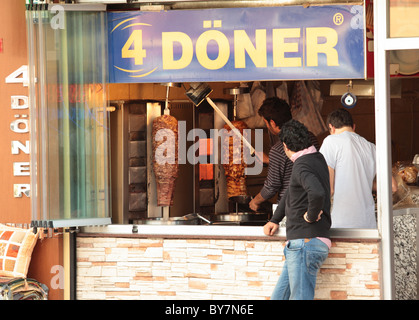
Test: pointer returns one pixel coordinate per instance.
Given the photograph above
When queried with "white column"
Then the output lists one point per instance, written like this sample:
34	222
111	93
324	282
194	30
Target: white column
383	137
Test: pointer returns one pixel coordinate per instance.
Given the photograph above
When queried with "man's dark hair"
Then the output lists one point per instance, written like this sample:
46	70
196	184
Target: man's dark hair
275	109
295	135
340	118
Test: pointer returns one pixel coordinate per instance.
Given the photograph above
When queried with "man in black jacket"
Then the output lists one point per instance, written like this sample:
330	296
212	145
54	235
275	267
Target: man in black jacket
306	204
275	112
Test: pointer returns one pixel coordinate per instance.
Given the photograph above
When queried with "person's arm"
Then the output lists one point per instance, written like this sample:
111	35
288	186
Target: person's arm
316	196
332	180
394	185
262	157
256	201
279	171
272	226
328	151
318	217
279	213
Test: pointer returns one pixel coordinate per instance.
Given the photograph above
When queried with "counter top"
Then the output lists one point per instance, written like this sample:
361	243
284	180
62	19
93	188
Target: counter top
210	231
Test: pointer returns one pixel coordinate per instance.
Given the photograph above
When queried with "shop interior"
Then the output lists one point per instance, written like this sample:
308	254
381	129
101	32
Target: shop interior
199	193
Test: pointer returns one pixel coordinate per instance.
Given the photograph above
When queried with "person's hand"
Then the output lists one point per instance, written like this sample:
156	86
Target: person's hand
318	217
394	185
270	228
253	205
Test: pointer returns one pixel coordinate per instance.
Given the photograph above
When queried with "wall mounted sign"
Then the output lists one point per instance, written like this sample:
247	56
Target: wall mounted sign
237	44
20	127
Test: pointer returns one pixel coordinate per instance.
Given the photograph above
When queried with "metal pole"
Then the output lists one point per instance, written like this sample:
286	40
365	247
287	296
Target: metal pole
383	136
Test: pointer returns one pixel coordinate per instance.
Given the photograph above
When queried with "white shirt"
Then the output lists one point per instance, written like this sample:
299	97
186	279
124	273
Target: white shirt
353	159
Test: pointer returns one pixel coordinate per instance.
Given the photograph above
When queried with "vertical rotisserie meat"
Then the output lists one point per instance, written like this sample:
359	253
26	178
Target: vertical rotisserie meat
234	166
165	157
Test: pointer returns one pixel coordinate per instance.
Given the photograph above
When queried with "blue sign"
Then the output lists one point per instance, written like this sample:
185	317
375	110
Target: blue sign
237	44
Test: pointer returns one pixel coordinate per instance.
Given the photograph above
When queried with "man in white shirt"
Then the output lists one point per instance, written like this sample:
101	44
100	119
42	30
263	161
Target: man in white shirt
351	162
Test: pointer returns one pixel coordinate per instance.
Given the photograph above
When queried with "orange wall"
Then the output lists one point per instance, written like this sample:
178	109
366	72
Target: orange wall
17	210
13	56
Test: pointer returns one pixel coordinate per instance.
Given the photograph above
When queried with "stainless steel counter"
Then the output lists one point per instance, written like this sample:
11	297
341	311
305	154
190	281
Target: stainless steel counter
209	231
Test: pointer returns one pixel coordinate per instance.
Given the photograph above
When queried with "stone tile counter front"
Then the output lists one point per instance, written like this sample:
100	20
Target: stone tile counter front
115	265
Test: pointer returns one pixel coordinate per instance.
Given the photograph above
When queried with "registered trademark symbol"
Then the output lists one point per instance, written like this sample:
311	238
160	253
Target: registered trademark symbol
338	19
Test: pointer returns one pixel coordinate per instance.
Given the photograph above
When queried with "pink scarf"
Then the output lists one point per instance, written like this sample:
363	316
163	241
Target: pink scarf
300	153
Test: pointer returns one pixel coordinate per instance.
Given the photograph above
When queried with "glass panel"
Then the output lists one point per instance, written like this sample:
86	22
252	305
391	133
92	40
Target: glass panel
69	122
404	18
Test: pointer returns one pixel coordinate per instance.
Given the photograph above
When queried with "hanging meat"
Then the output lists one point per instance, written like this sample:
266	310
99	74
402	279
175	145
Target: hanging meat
234	166
165	157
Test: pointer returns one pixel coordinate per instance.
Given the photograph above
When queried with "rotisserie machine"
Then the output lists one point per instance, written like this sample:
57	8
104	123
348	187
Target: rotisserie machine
200	190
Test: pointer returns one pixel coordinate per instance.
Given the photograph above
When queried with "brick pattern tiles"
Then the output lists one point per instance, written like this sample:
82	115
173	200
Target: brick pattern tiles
136	268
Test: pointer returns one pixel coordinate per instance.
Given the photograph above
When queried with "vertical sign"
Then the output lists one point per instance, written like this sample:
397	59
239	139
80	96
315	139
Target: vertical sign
19	125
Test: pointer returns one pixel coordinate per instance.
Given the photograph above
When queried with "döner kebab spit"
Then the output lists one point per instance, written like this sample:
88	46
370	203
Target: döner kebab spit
234	169
165	159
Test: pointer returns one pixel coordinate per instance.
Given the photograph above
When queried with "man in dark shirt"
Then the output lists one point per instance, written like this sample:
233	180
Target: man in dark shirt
306	204
275	112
